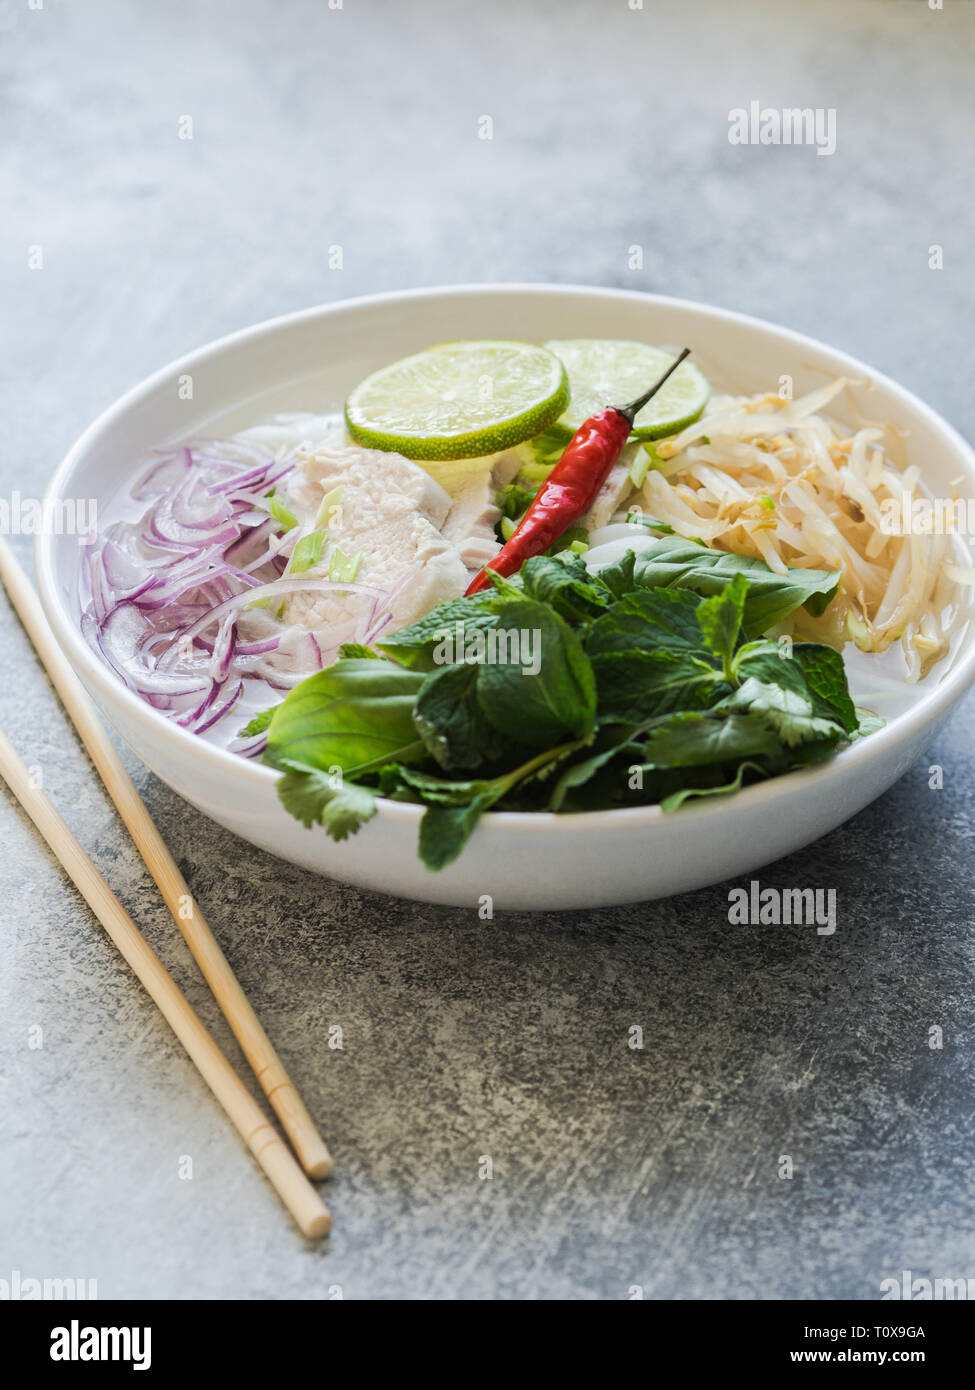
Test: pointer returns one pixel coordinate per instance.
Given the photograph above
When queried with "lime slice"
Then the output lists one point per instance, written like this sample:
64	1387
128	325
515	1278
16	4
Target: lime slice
612	371
459	400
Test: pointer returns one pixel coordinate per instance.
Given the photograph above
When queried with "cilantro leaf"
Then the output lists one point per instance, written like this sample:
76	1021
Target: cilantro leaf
313	796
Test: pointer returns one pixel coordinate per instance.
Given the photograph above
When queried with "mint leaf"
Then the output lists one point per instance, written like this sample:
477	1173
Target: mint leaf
445	830
579	773
648	620
449	719
826	678
566	584
677	799
695	740
550	697
720	618
450	821
617	578
414	646
637	685
649	656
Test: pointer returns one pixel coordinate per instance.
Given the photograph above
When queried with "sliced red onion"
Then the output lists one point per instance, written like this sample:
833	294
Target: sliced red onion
123	574
168	473
223	649
250	748
221	710
123	633
169	593
376	632
256	648
278	589
189	719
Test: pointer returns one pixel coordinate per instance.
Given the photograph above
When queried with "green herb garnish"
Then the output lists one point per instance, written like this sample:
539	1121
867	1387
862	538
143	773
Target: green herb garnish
560	689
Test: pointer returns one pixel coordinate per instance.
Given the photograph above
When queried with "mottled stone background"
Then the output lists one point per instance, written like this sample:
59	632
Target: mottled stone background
358	126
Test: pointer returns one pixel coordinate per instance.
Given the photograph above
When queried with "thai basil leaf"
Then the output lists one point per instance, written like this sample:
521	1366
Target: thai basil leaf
353	715
672	562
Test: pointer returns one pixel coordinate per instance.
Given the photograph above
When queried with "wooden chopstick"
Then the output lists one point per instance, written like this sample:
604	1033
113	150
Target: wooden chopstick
294	1189
256	1045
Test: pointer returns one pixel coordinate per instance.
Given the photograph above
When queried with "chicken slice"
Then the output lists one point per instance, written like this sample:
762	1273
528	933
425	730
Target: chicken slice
389	513
472	518
610	496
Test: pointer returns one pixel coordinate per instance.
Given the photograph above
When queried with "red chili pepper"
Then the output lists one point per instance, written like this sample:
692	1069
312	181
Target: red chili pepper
570	489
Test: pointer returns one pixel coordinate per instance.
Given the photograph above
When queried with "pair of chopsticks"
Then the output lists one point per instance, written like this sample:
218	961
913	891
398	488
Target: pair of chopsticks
291	1184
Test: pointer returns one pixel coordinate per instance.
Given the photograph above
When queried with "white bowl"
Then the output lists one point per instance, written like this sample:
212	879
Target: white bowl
309	361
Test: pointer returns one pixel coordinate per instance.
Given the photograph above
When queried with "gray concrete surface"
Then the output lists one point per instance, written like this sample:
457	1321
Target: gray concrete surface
612	1167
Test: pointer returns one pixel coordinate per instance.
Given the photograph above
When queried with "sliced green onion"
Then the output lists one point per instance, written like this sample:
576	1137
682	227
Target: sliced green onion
281	515
646	459
532	475
307	552
638	518
342	569
327	507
